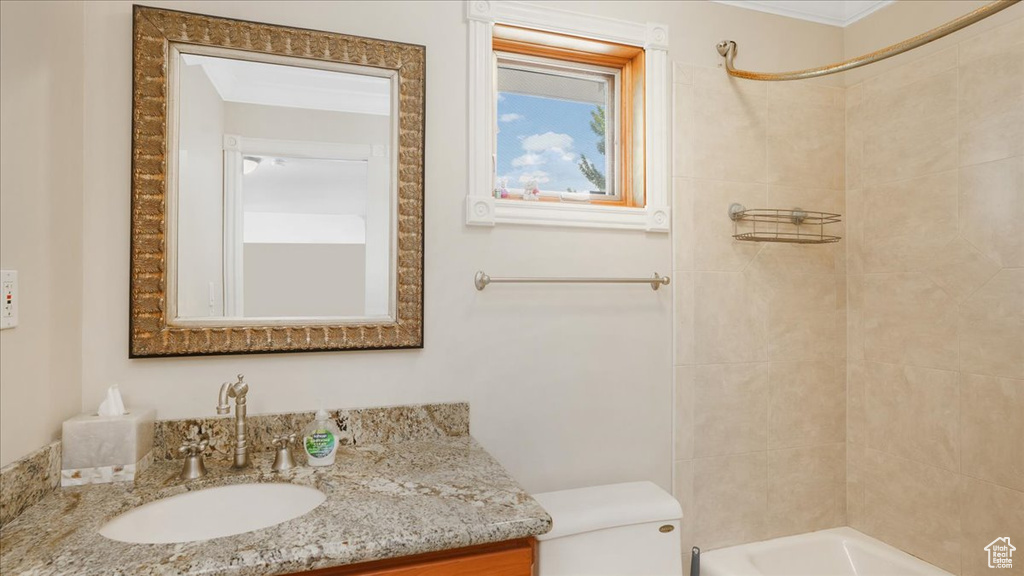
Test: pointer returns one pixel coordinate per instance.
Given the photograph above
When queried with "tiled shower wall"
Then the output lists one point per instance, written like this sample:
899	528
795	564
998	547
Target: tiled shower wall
935	213
760	447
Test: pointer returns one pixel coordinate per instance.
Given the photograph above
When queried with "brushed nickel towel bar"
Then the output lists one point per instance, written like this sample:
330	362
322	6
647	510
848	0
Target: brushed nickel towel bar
727	48
481	281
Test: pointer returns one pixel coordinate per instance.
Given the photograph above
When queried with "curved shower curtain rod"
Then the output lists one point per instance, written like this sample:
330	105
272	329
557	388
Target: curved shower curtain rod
727	48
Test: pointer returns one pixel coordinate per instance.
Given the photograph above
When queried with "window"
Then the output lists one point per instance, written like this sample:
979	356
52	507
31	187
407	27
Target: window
570	120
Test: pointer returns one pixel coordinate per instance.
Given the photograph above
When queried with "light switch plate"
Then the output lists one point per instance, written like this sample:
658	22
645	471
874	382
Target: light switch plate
8	299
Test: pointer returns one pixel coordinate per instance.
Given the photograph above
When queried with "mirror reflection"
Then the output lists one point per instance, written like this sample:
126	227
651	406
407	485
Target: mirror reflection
284	194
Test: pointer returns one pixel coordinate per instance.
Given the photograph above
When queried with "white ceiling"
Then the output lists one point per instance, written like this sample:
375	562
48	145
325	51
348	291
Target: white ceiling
290	86
833	12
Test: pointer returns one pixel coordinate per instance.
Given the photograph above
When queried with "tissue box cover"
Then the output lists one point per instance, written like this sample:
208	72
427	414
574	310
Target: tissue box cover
99	449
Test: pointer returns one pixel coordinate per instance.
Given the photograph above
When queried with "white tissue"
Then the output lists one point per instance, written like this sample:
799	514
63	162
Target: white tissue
113	405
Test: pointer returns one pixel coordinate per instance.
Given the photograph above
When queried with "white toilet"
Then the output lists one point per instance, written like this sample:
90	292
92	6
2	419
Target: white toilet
629	529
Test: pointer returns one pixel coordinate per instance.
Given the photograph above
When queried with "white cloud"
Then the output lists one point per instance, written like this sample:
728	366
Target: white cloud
528	159
547	141
554	153
540	176
511	117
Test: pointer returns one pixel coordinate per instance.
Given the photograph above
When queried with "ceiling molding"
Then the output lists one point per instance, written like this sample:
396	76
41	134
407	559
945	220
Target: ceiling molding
832	12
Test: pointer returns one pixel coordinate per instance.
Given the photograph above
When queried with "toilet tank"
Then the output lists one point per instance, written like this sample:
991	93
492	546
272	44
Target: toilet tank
629	529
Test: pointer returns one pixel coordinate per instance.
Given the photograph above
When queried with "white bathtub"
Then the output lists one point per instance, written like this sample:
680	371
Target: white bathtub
835	552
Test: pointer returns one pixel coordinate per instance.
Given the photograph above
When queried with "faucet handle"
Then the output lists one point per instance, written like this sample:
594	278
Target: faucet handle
284	459
285	440
193	466
196	447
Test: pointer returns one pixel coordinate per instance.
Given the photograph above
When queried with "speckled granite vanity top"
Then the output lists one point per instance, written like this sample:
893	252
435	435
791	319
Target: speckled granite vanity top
383	501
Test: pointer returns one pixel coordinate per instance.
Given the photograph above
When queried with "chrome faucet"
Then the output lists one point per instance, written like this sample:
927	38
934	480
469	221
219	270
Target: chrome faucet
236	390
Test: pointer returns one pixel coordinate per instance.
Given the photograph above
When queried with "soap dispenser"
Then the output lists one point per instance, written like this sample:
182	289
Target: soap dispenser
320	440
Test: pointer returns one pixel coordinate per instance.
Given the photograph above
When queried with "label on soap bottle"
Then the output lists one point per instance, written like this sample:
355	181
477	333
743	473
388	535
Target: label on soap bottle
320	443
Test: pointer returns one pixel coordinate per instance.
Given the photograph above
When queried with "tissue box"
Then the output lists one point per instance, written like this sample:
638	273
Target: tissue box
101	449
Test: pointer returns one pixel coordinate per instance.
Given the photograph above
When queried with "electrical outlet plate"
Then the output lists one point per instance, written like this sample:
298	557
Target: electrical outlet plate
8	299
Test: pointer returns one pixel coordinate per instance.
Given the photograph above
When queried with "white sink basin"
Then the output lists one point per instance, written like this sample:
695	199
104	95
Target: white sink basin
213	513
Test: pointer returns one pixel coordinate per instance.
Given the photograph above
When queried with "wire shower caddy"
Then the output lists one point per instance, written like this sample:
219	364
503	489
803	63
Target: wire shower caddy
795	226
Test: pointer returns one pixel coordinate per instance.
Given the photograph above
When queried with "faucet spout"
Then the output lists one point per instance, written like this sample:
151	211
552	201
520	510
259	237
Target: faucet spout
223	405
238	391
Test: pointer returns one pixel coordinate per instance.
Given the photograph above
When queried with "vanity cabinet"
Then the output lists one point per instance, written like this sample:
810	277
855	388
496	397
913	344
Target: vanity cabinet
511	558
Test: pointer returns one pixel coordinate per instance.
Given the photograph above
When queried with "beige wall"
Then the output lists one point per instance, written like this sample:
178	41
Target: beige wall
935	202
760	387
548	399
40	220
537	417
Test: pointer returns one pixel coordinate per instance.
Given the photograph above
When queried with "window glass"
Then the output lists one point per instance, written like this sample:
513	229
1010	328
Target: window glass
555	130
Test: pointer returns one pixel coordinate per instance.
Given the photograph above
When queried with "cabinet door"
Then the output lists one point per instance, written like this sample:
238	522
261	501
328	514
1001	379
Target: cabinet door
512	558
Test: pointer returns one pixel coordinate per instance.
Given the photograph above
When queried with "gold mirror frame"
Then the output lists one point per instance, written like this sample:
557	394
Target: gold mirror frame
150	331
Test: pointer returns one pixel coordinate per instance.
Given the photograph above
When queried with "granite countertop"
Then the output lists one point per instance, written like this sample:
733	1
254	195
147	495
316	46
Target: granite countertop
383	501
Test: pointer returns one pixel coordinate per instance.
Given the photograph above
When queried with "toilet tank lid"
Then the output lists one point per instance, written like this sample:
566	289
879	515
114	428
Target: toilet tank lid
598	507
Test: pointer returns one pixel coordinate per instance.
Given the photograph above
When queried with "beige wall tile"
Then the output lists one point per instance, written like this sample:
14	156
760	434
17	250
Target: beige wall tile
730	495
685	320
912	506
911	72
992	429
684	235
730	409
933	96
805	136
910	149
806	404
684	398
904	223
777	261
841	315
992	327
992	209
856	471
808	198
853	225
683	492
991	118
913	413
729	127
856	410
988	512
909	120
905	319
730	315
856	126
682	131
993	42
959	269
716	249
801	317
806	489
855	313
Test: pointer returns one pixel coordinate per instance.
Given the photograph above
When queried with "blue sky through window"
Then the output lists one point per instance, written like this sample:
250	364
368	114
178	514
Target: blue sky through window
542	138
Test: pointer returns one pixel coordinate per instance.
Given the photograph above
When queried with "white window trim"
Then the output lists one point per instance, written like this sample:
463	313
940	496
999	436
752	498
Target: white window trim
482	209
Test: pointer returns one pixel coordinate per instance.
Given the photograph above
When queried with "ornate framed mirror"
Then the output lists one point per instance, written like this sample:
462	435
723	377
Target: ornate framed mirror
277	189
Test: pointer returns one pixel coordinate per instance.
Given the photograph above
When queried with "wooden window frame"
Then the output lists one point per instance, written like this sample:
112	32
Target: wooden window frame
630	171
481	207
